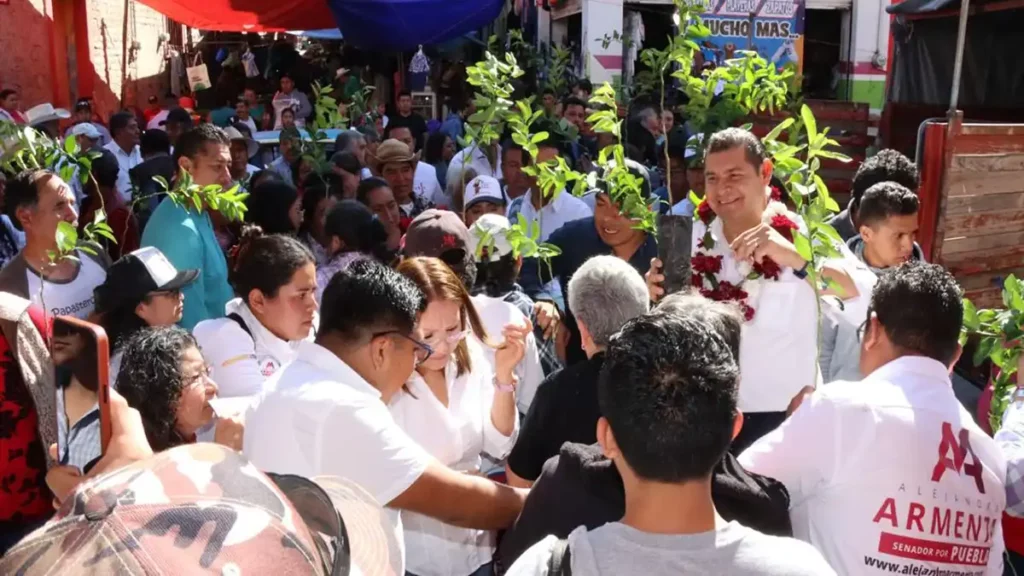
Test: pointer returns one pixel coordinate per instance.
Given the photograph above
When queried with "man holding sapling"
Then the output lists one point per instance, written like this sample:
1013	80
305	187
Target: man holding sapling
743	251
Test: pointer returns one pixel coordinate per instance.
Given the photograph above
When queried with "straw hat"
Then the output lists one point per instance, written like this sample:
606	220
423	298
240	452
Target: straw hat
395	152
45	113
236	134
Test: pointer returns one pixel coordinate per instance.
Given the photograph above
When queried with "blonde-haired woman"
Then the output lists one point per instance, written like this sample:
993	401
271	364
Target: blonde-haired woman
457	407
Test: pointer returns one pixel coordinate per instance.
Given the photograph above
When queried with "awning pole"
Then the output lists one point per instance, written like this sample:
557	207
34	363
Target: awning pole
961	38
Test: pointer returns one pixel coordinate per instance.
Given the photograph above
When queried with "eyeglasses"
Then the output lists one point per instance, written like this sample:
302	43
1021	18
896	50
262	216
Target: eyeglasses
450	338
422	350
205	373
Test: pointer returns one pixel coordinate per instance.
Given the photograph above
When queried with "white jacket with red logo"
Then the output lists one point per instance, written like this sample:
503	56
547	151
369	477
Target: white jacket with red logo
891	475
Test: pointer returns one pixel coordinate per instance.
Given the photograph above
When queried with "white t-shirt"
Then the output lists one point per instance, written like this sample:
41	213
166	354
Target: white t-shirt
890	474
456	435
495	314
318	417
72	297
473	157
426	186
125	161
241	363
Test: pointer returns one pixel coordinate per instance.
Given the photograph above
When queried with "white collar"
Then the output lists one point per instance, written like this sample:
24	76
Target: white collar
895	371
114	147
326	361
280	349
554	205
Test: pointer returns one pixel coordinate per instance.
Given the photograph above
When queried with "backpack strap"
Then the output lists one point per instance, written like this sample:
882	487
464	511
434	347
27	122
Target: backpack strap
238	320
560	561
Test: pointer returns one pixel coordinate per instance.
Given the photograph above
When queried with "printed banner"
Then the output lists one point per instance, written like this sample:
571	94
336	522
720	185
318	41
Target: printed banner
775	31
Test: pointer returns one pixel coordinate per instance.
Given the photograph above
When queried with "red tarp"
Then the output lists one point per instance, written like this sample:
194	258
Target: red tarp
247	15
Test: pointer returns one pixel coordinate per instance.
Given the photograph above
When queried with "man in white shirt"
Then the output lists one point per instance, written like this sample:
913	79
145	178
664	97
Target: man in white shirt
891	474
424	185
484	160
124	131
39	201
326	412
667	392
778	352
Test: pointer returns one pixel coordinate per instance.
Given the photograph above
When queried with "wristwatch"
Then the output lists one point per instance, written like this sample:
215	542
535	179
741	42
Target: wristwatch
506	387
802	272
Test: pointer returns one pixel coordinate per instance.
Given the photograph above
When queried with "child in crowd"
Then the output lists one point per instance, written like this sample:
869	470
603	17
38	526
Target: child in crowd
887	226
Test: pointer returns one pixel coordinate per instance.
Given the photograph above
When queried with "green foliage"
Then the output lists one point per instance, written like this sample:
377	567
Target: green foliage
557	79
24	148
999	332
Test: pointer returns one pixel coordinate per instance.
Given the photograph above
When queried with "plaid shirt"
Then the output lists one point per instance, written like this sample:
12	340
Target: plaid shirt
81	444
1010	439
549	361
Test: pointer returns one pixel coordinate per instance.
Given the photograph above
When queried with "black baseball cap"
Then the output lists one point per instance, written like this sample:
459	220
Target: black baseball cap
177	116
137	274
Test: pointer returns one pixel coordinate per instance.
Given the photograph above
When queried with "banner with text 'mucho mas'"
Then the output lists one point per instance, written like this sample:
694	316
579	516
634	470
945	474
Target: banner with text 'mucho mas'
772	28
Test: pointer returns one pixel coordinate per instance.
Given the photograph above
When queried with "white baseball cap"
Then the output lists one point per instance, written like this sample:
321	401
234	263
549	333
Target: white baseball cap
483	189
85	129
488	237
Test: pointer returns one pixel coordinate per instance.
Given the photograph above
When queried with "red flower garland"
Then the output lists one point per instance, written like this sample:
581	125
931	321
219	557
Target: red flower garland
706	266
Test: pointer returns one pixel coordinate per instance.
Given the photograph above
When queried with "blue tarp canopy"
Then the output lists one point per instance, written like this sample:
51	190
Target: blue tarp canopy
401	25
326	34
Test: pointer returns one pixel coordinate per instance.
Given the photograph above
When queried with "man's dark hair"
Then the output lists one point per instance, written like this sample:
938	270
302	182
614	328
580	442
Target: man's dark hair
402	93
367	186
573	101
348	162
7	92
555	138
884	200
178	116
676	144
920	308
151	381
391	127
510	146
119	122
547	91
668	390
193	142
154	142
105	169
369	298
731	138
585	85
886	166
369	133
433	152
23	191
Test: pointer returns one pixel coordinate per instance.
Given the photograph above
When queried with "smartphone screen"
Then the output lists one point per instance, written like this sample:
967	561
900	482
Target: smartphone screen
81	359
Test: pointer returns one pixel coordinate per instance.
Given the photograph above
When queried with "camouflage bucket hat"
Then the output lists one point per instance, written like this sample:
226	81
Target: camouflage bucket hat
204	509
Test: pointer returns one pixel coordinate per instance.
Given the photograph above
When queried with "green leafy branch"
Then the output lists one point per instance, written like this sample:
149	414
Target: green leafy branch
1000	332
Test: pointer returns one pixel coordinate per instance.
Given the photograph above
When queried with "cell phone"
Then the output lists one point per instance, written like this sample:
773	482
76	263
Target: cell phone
81	359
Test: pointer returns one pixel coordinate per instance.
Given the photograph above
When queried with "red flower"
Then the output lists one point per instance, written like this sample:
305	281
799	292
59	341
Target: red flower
768	269
697	281
706	264
783	225
403	223
776	194
705	213
748	312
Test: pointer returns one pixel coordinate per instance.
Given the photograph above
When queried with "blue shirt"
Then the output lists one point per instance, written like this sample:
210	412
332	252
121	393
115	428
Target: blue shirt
186	237
453	127
579	242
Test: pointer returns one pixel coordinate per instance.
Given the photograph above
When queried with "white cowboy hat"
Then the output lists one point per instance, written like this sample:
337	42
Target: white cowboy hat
236	134
45	113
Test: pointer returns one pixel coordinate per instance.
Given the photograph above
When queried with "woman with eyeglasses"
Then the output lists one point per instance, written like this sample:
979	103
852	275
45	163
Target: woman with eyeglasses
166	379
457	407
274	278
142	289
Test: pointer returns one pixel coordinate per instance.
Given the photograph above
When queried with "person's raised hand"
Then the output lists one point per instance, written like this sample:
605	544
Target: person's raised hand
548	318
763	241
128	444
654	278
230	431
511	352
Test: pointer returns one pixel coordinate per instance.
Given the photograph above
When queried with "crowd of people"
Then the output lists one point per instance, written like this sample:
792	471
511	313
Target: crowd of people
373	346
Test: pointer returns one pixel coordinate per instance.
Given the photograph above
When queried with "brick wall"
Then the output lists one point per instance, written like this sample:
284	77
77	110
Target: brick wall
27	43
146	70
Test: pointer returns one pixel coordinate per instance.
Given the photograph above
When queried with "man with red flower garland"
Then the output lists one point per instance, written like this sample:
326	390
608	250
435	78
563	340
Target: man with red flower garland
744	252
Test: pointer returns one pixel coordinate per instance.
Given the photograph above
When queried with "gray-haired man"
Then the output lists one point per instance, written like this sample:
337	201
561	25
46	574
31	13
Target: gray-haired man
604	294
